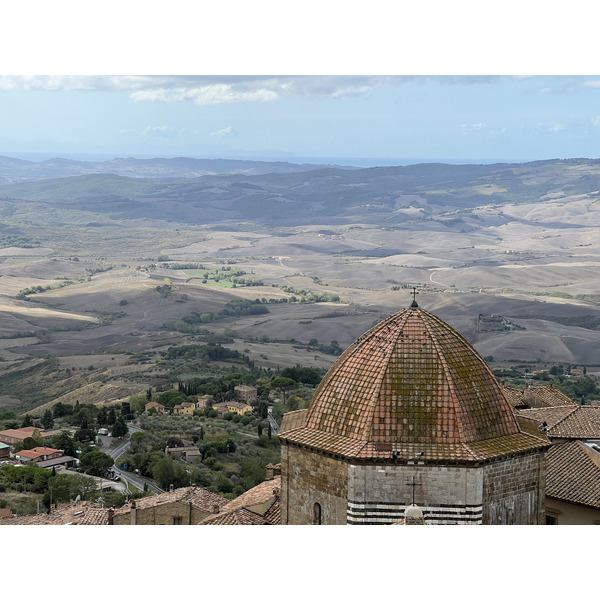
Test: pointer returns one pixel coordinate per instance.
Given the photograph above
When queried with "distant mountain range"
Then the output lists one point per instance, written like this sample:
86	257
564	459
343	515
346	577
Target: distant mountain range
302	195
15	170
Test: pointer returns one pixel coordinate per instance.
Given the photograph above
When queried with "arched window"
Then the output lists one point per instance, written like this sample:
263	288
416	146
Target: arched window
317	514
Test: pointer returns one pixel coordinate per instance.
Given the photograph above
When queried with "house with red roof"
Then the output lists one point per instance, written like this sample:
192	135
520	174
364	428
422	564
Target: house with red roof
38	454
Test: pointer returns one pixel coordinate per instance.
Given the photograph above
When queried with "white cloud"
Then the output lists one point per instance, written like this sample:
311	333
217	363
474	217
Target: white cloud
472	128
596	121
554	127
225	132
205	95
67	83
220	89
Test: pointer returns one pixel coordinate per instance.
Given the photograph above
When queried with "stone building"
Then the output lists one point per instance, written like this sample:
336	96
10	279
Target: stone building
237	408
13	436
410	414
573	461
185	408
542	396
247	394
260	505
183	506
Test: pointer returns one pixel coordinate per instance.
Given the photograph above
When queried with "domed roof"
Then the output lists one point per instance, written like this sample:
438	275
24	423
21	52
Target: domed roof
413	512
410	384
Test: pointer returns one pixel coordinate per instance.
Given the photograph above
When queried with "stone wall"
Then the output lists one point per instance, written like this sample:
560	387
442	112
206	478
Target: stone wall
162	514
312	479
514	490
503	492
448	495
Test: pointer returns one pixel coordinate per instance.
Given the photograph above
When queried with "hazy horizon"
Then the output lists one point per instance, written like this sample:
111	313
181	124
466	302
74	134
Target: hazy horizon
353	161
360	120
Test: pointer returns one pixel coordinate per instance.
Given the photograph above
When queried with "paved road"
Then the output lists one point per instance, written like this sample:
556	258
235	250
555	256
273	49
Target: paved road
136	481
273	422
102	482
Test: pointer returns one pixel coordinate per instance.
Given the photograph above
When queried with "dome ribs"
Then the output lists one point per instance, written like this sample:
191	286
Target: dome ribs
480	405
411	384
348	394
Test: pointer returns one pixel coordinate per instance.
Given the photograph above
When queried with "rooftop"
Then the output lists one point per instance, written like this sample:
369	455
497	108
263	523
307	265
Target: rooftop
540	396
575	422
23	432
66	514
199	497
37	452
260	505
410	384
573	473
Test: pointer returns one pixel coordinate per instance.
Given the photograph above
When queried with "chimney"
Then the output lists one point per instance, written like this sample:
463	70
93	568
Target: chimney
269	474
171	488
215	509
111	514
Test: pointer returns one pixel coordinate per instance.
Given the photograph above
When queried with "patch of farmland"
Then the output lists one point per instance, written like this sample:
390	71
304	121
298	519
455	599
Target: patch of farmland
17	342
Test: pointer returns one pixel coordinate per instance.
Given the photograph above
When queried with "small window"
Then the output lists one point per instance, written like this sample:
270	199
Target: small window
550	520
177	521
510	517
317	514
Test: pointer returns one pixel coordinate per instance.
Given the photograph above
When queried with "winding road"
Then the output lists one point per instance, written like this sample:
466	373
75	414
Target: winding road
135	480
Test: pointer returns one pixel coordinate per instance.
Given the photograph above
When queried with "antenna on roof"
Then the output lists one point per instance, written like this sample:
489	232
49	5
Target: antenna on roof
414	302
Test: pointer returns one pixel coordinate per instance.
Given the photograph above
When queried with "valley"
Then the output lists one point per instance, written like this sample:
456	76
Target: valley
98	272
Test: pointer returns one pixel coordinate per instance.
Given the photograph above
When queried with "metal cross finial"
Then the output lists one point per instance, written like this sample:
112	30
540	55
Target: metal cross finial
414	485
414	302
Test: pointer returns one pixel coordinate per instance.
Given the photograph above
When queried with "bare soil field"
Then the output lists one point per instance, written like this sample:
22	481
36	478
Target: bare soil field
534	263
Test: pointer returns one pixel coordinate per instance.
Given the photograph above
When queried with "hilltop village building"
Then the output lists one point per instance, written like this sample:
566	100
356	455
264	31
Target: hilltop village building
13	436
246	393
573	461
410	414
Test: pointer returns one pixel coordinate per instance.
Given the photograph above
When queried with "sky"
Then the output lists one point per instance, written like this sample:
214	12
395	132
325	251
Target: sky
347	118
316	82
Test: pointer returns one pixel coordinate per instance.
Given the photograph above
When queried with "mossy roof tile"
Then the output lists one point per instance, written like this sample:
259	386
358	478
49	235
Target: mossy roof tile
410	381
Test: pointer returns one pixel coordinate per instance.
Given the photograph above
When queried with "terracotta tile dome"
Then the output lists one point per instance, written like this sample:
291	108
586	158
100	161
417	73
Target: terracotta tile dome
410	384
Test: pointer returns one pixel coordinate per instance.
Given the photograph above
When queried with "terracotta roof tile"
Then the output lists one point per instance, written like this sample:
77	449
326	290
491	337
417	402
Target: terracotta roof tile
547	395
513	444
573	473
200	498
577	422
260	505
292	420
273	515
82	514
38	452
240	516
515	397
259	494
94	516
411	382
23	432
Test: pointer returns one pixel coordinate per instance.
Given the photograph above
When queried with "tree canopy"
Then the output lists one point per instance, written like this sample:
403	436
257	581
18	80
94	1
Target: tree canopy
96	462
